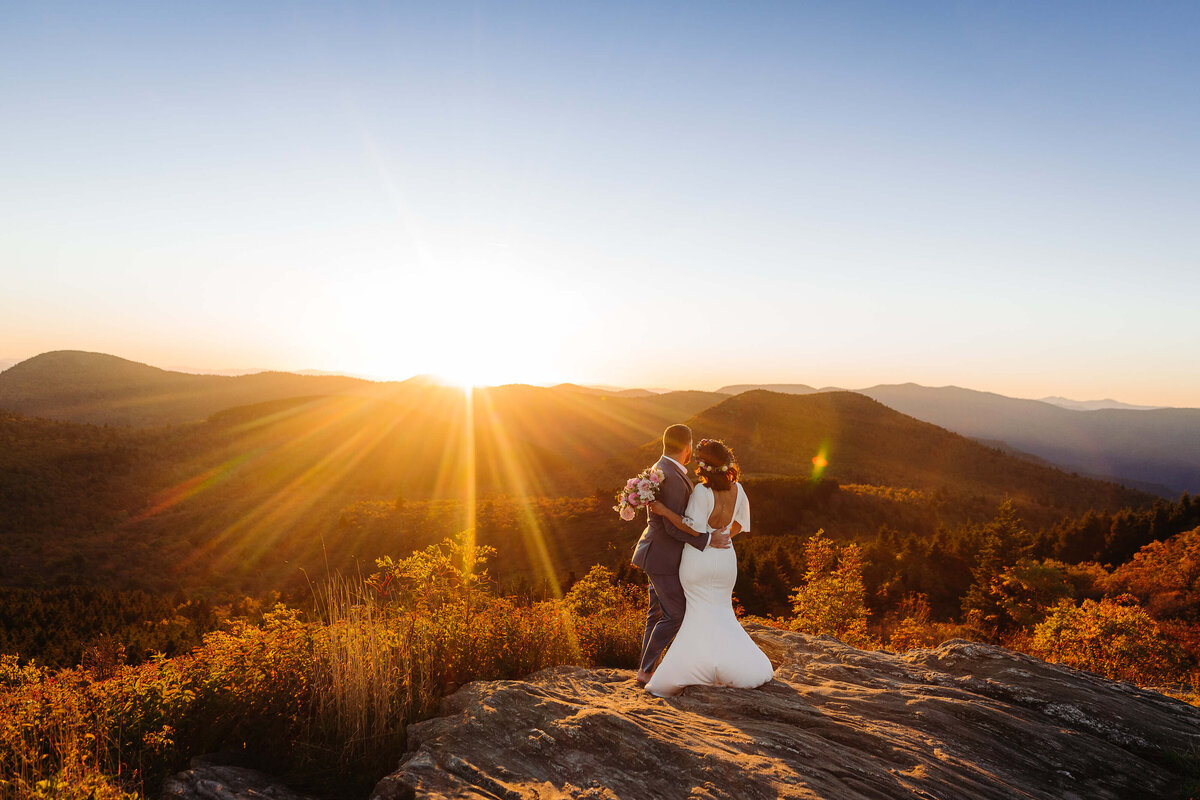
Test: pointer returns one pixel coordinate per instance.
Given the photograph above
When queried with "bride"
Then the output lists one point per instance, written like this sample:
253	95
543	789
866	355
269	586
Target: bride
711	647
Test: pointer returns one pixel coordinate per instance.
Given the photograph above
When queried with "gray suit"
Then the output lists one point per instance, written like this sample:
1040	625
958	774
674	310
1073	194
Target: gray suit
658	553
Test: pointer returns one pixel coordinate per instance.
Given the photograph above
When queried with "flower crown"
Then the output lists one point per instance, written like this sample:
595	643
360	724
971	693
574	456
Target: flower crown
705	466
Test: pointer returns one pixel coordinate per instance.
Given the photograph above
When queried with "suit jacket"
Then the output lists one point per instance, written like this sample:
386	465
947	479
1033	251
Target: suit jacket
661	545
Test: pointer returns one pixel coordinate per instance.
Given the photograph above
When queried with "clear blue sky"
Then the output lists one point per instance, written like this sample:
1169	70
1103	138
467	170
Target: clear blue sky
998	195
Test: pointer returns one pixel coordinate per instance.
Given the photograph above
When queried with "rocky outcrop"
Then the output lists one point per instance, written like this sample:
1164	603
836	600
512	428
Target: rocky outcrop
963	721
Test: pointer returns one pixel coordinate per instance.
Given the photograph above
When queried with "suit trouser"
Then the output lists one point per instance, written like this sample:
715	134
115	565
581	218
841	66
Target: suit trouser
665	615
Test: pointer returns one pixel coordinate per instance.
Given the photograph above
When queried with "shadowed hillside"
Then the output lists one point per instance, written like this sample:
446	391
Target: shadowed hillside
865	442
1151	449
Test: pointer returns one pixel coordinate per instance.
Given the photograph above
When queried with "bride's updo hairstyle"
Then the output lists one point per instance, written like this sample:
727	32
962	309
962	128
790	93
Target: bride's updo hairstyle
715	464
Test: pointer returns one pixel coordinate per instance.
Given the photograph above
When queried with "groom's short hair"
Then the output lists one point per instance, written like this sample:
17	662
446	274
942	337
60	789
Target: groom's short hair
676	437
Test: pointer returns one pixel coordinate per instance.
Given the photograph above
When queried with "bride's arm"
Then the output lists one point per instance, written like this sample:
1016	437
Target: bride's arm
741	513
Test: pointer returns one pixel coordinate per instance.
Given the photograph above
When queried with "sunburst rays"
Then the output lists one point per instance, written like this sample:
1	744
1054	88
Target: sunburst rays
277	481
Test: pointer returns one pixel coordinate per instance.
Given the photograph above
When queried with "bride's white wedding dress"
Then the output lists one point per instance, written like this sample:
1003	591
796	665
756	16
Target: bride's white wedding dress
711	647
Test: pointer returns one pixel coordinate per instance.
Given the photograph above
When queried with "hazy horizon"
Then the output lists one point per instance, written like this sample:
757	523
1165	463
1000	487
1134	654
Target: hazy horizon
232	371
999	197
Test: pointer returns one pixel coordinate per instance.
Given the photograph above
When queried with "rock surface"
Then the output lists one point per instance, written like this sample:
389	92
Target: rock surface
963	720
224	782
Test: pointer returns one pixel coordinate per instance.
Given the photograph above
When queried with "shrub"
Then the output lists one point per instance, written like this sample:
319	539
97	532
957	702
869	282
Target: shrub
328	699
912	628
1115	638
609	619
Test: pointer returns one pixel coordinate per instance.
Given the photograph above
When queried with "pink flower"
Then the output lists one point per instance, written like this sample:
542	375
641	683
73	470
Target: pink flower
627	513
632	482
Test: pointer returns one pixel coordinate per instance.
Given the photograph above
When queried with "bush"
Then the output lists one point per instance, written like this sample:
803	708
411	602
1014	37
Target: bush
1113	638
70	730
609	619
911	630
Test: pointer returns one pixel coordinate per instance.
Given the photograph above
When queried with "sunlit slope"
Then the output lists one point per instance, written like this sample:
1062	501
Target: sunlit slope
251	495
863	441
361	477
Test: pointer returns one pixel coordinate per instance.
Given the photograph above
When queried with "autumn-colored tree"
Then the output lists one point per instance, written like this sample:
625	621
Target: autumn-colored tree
832	599
1164	577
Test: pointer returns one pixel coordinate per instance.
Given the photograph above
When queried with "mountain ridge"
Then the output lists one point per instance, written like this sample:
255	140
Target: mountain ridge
1156	449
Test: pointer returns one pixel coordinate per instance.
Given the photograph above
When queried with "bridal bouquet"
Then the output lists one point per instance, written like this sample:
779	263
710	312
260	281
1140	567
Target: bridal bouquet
638	493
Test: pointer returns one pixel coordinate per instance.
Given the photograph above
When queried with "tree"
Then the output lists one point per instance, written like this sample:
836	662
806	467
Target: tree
1004	542
1028	589
832	599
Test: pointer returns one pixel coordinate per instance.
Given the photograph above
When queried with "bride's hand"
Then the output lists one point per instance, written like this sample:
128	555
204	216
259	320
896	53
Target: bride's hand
657	507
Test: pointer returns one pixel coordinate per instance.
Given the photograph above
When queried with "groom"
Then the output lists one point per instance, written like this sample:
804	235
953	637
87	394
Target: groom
661	546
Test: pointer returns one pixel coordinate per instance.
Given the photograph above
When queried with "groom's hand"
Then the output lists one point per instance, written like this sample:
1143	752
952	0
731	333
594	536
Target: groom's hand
720	540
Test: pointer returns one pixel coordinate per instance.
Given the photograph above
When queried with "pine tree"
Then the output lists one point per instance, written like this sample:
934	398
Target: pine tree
1004	543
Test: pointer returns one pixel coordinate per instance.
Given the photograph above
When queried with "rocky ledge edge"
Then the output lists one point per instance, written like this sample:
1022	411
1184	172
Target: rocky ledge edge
962	720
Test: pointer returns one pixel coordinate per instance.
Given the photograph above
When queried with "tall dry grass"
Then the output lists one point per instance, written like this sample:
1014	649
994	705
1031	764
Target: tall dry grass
362	687
322	700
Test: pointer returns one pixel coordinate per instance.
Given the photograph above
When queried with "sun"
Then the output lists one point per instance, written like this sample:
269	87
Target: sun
464	327
460	379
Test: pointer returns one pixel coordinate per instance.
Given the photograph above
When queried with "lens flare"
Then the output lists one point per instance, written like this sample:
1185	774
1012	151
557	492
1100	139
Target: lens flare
820	462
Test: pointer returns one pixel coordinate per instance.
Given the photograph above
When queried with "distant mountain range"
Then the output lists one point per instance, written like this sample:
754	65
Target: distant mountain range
803	388
783	388
608	391
1148	446
1093	405
103	389
1145	447
1155	449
